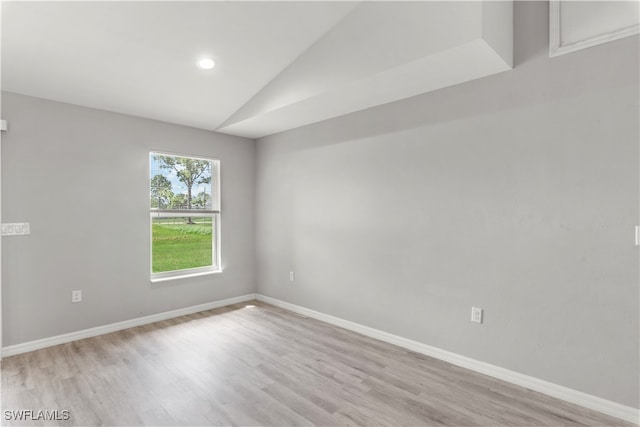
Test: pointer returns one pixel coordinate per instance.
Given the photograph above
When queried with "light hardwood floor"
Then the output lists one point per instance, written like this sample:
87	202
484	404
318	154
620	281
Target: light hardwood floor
254	364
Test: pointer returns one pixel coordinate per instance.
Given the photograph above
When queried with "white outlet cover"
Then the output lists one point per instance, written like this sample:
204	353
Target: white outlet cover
76	296
476	315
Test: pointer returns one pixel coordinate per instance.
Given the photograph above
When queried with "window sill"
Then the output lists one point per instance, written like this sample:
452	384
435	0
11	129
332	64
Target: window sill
184	276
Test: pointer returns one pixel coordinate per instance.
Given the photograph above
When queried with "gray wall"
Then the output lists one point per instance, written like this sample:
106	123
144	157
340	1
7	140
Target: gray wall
517	193
80	177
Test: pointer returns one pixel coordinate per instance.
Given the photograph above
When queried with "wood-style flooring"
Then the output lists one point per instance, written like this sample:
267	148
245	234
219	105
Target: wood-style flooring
255	364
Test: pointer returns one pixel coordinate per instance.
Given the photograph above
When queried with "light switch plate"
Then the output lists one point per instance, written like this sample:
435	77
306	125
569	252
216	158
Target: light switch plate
15	228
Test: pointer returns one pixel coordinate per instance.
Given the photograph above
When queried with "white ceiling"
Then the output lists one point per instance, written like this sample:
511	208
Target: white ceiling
279	65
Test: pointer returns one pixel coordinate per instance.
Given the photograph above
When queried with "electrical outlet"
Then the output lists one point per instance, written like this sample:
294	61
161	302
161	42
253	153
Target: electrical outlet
76	296
292	276
476	315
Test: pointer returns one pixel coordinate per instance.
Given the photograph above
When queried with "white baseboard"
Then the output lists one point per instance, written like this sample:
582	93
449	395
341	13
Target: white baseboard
554	390
113	327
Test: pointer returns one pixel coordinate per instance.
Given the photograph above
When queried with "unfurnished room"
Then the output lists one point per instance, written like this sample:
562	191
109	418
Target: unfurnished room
320	213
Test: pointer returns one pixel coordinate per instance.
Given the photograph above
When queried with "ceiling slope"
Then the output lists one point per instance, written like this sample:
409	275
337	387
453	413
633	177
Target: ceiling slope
279	65
379	53
139	57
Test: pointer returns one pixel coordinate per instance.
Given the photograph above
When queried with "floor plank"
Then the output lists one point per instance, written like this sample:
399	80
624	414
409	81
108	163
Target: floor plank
255	364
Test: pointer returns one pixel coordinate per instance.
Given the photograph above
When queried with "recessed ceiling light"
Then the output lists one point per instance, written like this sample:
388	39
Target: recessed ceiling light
206	63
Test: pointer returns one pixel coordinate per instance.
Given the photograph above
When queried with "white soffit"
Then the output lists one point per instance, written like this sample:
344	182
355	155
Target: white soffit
576	25
382	52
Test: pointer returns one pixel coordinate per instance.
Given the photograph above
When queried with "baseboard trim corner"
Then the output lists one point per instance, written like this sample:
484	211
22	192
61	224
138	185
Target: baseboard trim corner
585	400
113	327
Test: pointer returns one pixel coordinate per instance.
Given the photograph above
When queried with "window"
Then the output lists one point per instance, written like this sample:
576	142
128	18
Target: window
184	194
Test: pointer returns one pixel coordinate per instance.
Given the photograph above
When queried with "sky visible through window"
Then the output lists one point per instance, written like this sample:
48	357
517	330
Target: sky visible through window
177	187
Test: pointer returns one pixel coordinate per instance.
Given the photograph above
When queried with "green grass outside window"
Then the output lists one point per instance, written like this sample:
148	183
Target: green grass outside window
177	245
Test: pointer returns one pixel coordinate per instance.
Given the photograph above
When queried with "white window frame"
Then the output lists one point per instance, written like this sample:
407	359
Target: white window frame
214	214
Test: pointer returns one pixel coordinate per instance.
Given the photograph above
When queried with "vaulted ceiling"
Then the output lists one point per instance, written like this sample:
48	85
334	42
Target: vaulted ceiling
279	65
